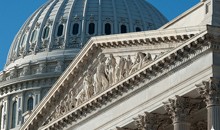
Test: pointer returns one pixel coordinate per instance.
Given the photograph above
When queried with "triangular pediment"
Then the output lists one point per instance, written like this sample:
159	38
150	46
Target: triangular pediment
109	66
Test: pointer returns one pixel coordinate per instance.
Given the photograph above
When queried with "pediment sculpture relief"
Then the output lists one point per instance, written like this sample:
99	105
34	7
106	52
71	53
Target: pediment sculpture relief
106	73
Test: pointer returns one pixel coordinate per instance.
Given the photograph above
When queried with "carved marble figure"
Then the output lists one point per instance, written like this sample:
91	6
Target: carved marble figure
111	69
100	78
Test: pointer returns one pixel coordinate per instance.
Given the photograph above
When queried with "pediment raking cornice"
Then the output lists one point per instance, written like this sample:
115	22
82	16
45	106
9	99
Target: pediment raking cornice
98	43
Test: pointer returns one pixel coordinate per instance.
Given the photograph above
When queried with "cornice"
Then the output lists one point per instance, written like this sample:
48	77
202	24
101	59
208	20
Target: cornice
96	45
150	72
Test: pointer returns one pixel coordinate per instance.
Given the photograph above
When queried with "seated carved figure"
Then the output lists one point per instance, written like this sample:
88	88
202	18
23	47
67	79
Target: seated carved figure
100	78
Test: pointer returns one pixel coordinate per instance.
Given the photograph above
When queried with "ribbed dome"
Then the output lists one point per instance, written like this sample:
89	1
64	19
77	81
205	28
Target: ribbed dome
61	27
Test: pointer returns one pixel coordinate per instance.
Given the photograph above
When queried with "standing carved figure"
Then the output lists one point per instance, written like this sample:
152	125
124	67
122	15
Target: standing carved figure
128	65
111	65
100	78
88	85
120	69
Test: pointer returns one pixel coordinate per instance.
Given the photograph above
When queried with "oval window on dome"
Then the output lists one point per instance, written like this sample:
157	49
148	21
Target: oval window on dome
46	32
60	30
33	36
138	29
108	30
75	29
123	29
91	28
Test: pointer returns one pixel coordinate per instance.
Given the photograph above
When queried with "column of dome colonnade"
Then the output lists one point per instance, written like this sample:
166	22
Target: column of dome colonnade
210	91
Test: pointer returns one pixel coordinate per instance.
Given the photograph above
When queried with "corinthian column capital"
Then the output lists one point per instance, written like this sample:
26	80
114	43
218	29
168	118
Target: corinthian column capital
150	121
210	90
178	109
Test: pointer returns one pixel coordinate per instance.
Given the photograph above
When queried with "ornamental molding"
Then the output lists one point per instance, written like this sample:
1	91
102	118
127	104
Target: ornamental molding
188	49
23	84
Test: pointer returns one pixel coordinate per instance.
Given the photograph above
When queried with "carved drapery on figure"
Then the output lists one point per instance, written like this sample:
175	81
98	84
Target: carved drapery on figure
101	81
111	66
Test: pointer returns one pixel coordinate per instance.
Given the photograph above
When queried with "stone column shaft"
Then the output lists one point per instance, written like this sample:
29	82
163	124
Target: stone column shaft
214	117
181	126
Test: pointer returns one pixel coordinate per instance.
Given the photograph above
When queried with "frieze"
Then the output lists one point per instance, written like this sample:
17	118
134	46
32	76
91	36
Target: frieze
107	73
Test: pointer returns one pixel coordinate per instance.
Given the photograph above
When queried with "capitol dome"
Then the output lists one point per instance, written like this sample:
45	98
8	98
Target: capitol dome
60	28
50	39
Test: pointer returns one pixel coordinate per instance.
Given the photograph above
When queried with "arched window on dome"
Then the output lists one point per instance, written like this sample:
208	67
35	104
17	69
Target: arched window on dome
14	114
138	29
30	103
75	29
33	36
123	29
108	28
91	28
46	32
60	30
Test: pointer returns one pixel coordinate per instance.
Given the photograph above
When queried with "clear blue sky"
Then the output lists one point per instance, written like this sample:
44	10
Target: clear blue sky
14	13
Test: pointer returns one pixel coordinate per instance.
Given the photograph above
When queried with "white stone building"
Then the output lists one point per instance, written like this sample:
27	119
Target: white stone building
164	79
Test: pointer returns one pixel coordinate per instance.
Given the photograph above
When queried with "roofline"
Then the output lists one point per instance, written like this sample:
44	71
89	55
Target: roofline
181	16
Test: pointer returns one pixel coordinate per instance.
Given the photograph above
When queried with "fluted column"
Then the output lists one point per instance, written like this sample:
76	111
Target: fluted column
179	111
210	90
